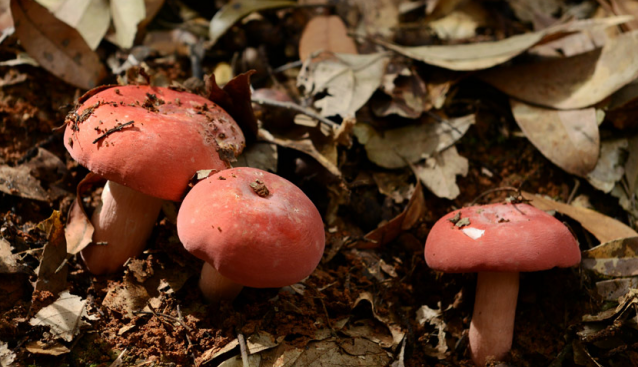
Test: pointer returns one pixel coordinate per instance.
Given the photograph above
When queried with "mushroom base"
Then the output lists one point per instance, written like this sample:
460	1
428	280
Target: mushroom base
492	326
123	223
217	287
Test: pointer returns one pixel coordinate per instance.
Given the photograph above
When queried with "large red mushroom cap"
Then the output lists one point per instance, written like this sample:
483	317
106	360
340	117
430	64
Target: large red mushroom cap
500	237
255	228
173	135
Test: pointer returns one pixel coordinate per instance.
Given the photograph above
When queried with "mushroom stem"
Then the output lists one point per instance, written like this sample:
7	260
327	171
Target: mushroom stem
217	287
123	222
492	324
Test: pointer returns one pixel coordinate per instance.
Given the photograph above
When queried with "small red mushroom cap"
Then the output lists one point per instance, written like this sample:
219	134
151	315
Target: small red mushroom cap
500	237
173	135
256	228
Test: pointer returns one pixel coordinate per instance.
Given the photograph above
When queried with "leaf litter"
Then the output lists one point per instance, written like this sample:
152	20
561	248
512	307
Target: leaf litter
427	141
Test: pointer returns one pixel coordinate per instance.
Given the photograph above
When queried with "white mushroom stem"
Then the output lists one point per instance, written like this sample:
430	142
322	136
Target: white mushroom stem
492	324
217	287
123	222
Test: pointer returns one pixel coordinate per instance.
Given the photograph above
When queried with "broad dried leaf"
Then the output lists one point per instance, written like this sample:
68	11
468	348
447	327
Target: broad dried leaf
618	258
79	229
610	166
8	260
400	147
627	303
64	316
57	47
390	320
51	273
49	349
19	182
127	14
573	82
604	228
325	33
89	17
568	138
438	173
477	56
613	289
341	352
232	12
406	90
434	317
348	80
7	356
126	297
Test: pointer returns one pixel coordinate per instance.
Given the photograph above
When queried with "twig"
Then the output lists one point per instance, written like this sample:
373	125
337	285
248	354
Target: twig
294	107
111	131
505	188
574	190
287	66
242	349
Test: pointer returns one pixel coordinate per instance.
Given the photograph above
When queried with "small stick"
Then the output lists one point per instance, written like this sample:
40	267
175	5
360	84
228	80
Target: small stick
242	349
111	131
294	107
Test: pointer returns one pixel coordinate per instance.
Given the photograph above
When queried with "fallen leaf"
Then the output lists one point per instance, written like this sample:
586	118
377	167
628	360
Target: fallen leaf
610	166
623	107
7	356
79	229
394	185
604	228
378	17
572	82
627	303
348	80
531	10
340	352
90	18
434	317
396	148
49	349
406	91
438	173
618	258
461	23
234	10
568	138
8	260
389	319
57	47
613	289
325	33
176	41
64	316
260	155
51	272
18	181
483	55
126	16
126	297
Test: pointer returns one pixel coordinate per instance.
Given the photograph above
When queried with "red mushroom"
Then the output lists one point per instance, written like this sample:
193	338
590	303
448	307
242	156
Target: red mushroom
148	142
498	241
252	228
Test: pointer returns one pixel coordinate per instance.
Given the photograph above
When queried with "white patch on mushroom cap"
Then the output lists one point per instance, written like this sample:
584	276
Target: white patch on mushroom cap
473	233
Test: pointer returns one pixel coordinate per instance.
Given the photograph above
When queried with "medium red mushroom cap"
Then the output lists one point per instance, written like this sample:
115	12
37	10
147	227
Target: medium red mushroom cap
173	135
500	237
256	228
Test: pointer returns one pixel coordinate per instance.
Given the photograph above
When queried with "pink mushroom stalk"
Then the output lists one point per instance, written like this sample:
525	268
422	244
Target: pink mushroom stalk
498	241
148	142
252	228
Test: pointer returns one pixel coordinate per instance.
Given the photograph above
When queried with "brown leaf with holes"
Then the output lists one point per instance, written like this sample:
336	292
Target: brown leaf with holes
325	33
56	46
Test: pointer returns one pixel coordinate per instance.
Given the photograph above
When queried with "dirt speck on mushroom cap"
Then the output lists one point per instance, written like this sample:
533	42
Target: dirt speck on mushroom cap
164	146
501	237
253	239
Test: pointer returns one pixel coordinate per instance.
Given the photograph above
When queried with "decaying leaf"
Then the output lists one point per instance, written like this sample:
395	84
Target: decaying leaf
477	56
79	229
19	181
8	261
50	349
91	18
126	297
394	185
613	289
462	22
610	166
438	172
260	155
572	82
126	16
325	33
618	258
56	46
399	147
604	228
51	272
348	80
234	10
627	303
389	320
65	316
434	317
406	90
7	357
569	138
346	352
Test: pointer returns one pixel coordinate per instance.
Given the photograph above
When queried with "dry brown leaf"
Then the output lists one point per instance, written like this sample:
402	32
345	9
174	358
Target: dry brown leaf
390	320
462	22
79	229
49	349
613	289
8	260
396	148
234	10
64	316
407	92
604	228
7	356
618	258
19	182
568	138
51	272
438	173
56	46
434	317
477	56
325	33
610	166
573	82
126	298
